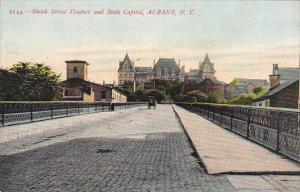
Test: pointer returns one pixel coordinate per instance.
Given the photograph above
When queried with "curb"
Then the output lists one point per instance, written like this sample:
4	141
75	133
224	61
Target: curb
201	163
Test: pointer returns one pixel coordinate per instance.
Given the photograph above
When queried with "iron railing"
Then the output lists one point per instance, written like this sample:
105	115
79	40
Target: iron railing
12	113
277	129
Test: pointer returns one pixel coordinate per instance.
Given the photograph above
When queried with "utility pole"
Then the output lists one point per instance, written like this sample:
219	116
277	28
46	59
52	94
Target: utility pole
299	85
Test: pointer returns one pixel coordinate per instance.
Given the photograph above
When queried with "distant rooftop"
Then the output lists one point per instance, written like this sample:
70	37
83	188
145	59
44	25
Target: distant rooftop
288	73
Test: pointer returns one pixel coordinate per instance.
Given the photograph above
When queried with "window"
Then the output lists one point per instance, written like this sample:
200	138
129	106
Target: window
75	69
103	95
66	92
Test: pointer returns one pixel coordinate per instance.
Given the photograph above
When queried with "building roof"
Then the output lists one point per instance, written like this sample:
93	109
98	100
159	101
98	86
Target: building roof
288	73
76	61
143	69
206	59
128	61
164	63
256	82
277	89
81	81
215	81
206	66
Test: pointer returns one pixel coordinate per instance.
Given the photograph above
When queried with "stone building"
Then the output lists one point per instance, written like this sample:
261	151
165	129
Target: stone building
78	88
164	68
205	70
205	85
126	71
143	74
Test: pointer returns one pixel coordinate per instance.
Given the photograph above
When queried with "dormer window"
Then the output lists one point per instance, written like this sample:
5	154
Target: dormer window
75	69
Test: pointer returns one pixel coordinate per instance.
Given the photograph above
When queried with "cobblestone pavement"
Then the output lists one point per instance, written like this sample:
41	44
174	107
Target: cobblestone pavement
138	150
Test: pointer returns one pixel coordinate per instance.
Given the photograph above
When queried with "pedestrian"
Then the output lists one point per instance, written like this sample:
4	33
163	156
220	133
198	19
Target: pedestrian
112	105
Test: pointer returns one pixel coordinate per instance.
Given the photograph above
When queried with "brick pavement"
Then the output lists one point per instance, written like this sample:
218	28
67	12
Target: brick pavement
144	150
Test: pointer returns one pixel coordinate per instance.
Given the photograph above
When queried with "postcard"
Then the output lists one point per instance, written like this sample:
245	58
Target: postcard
149	95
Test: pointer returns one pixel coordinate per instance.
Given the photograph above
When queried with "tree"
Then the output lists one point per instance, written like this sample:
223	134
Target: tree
158	95
259	91
245	99
128	92
195	96
214	98
31	82
140	95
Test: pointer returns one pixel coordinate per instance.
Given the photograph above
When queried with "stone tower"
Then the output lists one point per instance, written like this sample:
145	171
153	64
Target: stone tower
206	68
126	70
77	69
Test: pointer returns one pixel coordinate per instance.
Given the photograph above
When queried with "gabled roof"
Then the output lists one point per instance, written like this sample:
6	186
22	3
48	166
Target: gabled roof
164	63
126	60
288	73
206	59
277	89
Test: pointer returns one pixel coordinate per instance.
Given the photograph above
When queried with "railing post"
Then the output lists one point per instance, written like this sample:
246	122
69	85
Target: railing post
31	112
2	117
51	111
78	108
67	112
221	115
231	119
213	115
278	134
248	122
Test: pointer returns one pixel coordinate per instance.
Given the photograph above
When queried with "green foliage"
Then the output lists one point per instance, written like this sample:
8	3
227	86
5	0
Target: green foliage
243	99
234	81
158	95
140	95
214	98
170	88
129	93
195	96
247	99
30	82
259	91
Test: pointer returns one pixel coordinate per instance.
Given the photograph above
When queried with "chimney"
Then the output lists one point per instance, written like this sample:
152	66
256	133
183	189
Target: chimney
103	82
179	63
275	77
275	69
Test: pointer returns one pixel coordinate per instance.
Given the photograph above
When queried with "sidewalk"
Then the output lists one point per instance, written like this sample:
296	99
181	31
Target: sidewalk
224	152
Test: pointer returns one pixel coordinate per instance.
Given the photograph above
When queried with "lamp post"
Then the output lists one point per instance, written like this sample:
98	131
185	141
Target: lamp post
299	85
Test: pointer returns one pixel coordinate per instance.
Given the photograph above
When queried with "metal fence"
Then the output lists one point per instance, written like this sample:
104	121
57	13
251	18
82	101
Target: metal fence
12	113
277	129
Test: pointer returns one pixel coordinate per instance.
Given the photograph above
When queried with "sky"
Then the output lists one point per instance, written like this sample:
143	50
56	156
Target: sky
242	38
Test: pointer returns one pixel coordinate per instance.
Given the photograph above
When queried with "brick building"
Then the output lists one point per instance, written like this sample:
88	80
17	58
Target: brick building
206	86
78	88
